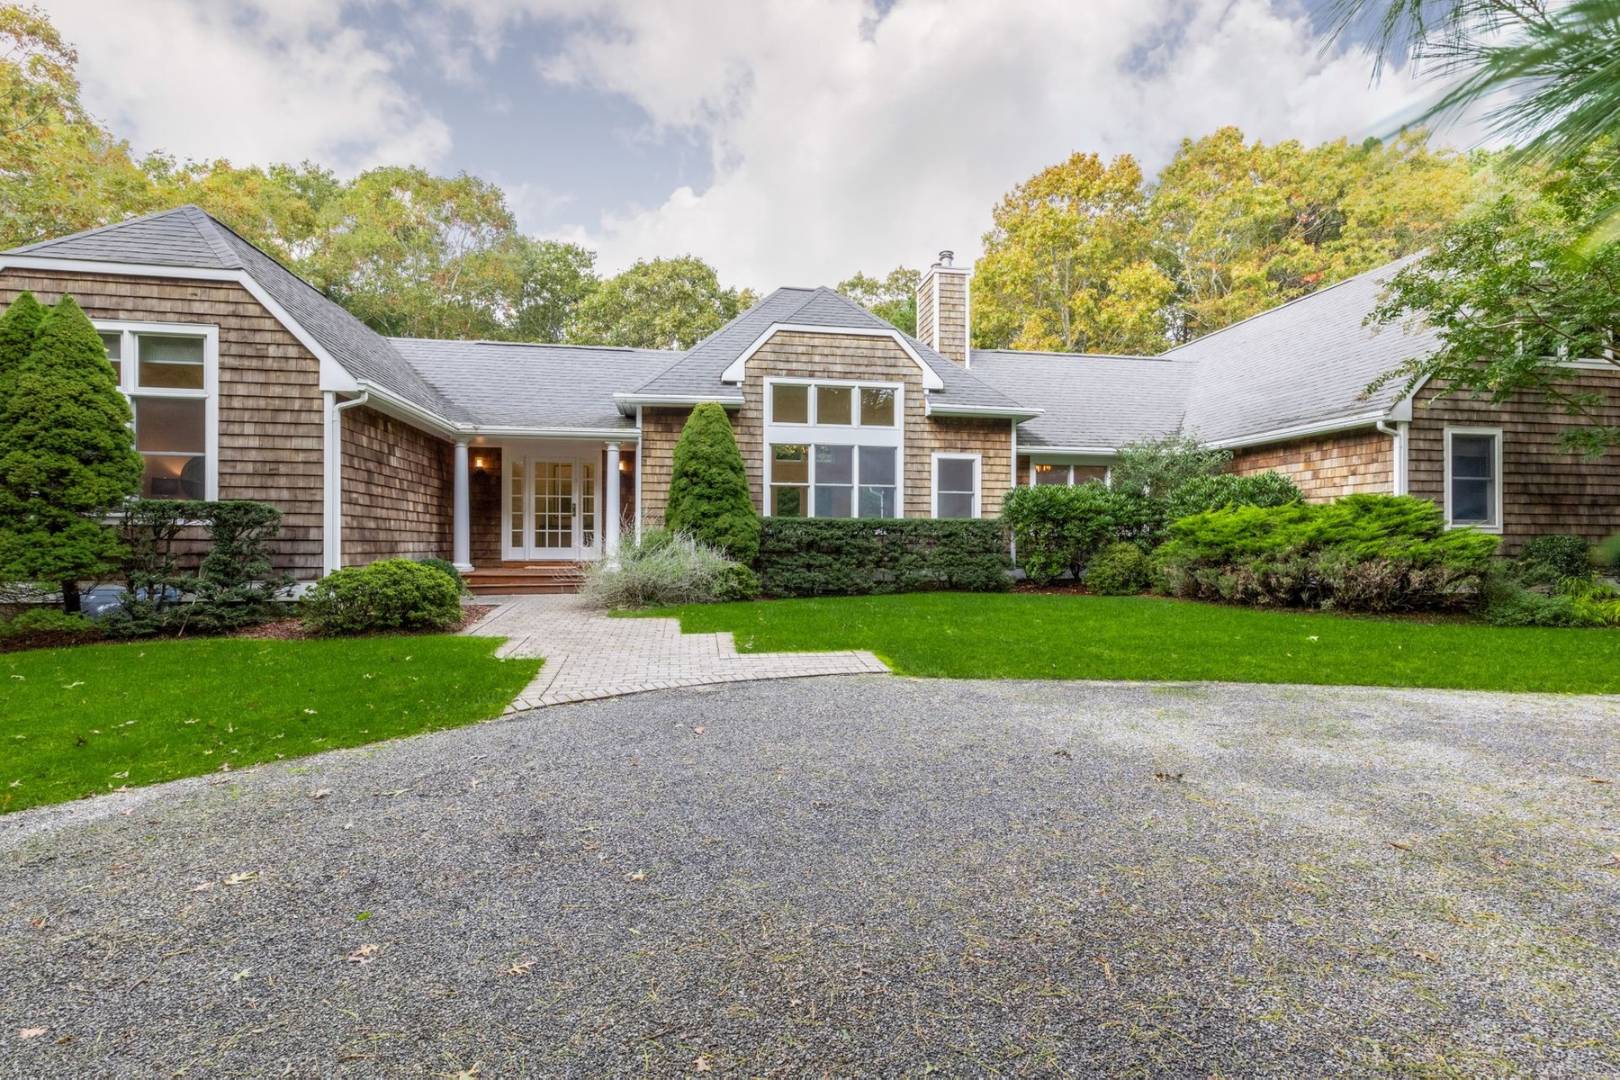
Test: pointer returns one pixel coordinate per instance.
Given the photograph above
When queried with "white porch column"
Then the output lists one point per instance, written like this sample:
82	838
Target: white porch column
461	513
610	534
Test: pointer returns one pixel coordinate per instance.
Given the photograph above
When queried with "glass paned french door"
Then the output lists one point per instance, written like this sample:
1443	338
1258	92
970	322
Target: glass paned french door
550	507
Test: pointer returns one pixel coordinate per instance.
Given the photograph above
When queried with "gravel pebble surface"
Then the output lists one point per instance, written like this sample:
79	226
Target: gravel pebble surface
849	876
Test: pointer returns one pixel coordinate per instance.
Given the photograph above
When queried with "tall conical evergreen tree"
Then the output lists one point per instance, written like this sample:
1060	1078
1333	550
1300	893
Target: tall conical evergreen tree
18	326
708	486
67	456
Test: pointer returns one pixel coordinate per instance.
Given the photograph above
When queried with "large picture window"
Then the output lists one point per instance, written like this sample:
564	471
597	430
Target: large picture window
1474	477
168	374
832	449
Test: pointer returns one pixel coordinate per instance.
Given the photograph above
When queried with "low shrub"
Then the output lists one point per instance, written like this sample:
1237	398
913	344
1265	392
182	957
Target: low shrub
43	628
1204	493
391	594
448	568
1058	530
1576	602
668	568
860	556
1551	558
1118	570
1362	553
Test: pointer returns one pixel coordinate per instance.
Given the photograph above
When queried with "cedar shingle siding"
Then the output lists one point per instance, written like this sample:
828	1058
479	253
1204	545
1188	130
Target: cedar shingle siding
396	490
1327	466
269	390
1545	488
848	357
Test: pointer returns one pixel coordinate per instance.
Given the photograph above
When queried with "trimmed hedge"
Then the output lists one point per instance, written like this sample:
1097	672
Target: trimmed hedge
853	557
1058	530
1361	553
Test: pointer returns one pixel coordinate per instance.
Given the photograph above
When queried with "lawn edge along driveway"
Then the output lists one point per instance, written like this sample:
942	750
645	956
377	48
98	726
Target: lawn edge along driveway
100	718
1138	638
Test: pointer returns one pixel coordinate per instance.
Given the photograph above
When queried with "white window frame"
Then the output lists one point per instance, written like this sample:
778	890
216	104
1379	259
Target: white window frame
978	479
1495	524
128	380
811	434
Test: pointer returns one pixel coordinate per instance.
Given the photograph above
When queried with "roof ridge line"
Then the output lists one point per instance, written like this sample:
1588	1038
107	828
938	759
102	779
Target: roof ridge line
110	226
208	231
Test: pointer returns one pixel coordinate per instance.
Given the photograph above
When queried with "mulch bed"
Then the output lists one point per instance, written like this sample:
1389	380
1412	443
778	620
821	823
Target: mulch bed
293	630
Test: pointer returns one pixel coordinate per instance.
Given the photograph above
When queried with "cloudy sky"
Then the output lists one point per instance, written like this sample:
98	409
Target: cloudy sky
786	141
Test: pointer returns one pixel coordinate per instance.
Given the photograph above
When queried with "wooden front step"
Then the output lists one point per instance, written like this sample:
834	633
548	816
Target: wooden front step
516	578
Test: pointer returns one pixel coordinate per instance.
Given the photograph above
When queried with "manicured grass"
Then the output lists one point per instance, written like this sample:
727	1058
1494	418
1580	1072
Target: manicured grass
81	721
1036	636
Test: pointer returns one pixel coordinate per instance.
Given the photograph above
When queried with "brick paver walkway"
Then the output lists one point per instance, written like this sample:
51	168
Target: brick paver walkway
589	655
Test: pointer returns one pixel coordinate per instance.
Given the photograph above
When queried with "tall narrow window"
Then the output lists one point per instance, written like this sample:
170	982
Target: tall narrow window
878	497
790	480
956	485
1473	477
167	376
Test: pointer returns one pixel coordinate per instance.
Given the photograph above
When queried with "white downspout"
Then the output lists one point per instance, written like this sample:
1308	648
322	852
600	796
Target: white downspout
332	506
1398	448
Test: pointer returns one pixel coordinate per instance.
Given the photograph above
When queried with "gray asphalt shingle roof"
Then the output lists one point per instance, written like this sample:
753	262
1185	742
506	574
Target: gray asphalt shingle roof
699	371
189	237
1091	401
1305	362
502	384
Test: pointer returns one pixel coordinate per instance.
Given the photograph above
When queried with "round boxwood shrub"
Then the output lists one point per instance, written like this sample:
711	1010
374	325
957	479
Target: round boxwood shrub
393	594
1118	570
448	568
708	487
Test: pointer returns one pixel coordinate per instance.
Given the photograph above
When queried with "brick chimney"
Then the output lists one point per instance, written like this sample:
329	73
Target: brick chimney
942	308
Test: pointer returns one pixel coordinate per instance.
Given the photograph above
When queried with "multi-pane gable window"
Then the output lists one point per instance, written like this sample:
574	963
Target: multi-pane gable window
832	449
167	374
1474	477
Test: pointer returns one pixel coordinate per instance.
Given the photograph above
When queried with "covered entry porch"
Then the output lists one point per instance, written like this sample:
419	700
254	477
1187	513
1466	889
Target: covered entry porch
529	513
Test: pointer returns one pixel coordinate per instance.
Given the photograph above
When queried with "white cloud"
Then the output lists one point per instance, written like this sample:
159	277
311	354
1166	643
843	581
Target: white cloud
269	80
835	151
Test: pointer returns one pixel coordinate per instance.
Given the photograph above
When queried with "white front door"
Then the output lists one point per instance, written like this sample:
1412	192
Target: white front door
548	507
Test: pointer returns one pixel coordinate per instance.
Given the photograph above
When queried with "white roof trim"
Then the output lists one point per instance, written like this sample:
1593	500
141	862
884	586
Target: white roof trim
334	376
1032	450
734	373
515	432
1301	431
631	400
1018	412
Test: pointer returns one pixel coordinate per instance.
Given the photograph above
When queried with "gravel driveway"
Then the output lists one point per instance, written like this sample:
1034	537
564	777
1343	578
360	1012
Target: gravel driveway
852	875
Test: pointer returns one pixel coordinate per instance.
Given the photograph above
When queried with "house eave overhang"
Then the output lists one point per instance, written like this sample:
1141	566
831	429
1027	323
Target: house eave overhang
334	376
734	371
1314	427
996	412
628	402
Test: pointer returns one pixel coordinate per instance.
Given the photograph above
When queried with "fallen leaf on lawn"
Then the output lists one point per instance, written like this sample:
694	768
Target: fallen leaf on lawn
698	730
1498	858
129	812
702	1064
121	775
320	793
243	878
240	975
30	1033
636	875
73	685
365	954
1402	845
521	968
1168	777
1428	956
202	886
37	924
471	1073
1063	754
1598	780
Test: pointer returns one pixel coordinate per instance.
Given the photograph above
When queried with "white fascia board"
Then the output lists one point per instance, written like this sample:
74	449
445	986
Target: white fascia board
333	374
512	432
1016	412
386	401
1035	453
1301	431
734	373
634	400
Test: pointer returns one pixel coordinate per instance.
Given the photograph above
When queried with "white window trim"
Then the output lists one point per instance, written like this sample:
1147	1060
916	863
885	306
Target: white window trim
812	434
978	479
128	373
1495	526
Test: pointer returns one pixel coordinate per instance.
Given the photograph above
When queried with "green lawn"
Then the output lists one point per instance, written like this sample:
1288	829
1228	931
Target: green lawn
1036	636
80	721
